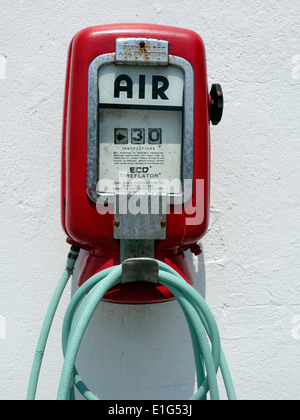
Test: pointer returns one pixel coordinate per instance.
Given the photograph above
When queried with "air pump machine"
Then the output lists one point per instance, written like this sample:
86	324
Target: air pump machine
136	185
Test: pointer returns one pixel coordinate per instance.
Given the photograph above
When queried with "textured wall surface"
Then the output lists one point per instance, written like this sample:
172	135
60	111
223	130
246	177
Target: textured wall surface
249	269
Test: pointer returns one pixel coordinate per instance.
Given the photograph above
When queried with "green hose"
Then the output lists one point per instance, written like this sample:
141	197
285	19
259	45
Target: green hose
40	349
208	353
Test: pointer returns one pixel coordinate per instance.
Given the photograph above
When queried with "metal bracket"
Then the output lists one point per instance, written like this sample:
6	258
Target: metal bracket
132	248
140	269
145	224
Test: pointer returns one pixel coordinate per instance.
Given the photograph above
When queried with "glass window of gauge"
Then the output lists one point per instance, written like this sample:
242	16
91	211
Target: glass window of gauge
140	128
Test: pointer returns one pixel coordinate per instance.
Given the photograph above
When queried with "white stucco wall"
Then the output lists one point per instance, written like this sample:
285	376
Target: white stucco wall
249	270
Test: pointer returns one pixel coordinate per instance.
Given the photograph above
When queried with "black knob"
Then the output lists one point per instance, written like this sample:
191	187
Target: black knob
216	104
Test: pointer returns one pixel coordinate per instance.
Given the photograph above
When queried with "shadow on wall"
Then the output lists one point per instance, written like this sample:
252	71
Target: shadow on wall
140	351
2	67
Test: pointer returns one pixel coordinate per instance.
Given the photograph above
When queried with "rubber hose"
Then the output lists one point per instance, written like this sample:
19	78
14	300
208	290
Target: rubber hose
193	306
46	327
208	353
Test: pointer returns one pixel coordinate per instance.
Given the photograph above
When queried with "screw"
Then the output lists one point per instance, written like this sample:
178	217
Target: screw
163	223
117	223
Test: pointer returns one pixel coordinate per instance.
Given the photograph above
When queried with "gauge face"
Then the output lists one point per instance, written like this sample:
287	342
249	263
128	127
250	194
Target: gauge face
140	129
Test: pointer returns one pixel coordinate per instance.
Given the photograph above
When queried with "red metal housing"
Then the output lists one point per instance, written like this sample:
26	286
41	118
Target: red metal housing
83	225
